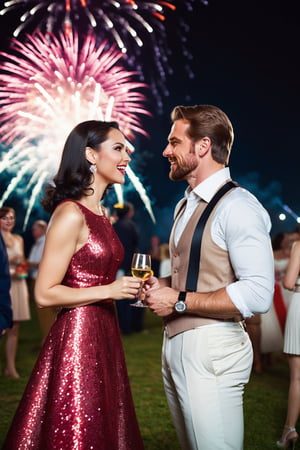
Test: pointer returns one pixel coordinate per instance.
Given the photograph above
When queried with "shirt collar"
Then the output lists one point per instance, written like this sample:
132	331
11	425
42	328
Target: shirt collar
207	188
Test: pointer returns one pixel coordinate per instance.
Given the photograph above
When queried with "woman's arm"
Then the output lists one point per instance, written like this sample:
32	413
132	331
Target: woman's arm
67	233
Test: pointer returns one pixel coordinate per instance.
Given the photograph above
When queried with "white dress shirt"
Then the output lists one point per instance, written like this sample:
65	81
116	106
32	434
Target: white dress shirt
35	255
240	226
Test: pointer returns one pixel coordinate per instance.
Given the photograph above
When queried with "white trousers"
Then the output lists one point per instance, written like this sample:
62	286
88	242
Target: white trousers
204	372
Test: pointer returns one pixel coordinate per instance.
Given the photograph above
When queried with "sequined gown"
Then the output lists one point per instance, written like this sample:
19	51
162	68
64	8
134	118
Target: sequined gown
78	395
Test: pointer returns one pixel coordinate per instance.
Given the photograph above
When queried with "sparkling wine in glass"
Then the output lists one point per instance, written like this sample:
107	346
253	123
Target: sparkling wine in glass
141	268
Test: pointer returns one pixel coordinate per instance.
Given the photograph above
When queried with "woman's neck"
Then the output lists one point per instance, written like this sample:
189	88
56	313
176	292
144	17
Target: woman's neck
8	237
92	205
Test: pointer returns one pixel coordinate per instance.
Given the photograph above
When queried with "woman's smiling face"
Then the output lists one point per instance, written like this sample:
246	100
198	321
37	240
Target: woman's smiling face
112	158
7	222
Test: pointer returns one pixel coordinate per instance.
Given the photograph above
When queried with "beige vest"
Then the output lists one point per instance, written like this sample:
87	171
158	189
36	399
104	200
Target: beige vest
215	269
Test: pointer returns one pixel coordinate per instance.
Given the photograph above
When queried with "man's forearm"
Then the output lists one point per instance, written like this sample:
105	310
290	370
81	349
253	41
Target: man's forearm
215	304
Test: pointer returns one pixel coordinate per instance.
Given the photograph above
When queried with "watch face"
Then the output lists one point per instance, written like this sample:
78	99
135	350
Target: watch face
180	306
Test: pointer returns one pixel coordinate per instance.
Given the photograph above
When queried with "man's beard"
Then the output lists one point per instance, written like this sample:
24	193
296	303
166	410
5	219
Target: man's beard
183	168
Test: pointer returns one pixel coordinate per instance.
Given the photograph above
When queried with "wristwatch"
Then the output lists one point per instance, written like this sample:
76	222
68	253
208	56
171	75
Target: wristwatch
180	305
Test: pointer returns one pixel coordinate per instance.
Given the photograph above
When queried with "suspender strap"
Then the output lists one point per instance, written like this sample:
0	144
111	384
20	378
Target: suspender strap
194	261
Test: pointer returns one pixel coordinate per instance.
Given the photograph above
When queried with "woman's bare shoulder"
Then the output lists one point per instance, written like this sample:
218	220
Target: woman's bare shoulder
68	214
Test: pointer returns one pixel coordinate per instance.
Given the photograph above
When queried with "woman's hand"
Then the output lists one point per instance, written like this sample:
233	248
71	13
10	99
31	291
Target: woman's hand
125	287
16	260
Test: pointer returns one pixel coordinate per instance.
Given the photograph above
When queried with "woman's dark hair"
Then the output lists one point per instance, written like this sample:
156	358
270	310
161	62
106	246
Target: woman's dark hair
5	210
277	240
74	177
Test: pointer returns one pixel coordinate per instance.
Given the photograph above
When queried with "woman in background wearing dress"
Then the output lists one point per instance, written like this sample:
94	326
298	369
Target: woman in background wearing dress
19	293
282	244
291	347
78	395
273	322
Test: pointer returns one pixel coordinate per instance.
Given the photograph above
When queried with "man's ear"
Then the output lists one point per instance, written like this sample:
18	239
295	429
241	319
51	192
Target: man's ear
90	155
204	145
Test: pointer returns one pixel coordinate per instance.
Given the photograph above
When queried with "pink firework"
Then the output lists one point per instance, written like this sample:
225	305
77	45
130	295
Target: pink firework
136	27
49	85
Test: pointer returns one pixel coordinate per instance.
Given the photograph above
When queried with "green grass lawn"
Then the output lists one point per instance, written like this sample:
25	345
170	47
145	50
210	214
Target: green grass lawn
265	395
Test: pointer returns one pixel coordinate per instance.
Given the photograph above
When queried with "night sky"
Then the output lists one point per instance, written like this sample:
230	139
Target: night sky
246	61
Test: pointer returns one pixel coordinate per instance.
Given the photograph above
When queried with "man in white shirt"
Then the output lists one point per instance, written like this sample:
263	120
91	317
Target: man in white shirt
38	230
45	316
207	354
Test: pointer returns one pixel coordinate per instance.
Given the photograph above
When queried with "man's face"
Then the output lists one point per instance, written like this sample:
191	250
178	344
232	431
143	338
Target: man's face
37	231
180	151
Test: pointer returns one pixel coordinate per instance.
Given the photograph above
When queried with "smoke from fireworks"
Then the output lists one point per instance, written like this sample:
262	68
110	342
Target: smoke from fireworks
48	85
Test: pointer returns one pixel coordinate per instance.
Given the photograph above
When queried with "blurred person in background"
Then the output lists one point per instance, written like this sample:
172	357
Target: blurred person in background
291	347
19	292
154	251
45	316
165	261
282	244
273	322
5	301
130	319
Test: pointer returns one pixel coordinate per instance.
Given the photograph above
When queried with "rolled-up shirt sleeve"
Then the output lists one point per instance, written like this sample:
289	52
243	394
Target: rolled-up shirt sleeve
242	227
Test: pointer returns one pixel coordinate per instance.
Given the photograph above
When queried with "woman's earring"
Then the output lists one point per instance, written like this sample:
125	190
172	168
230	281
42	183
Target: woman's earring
93	168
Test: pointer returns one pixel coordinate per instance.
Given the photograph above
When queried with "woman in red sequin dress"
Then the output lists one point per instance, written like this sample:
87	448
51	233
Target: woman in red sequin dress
78	395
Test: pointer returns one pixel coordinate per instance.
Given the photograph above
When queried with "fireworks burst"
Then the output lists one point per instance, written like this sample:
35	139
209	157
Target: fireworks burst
137	27
48	86
73	14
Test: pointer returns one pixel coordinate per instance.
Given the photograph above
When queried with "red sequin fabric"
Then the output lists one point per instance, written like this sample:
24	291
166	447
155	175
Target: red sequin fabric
78	396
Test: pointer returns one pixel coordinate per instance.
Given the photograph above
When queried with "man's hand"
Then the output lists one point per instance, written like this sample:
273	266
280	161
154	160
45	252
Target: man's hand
151	283
161	301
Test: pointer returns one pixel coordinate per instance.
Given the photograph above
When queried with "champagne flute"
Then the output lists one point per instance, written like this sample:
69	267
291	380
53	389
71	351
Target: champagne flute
141	268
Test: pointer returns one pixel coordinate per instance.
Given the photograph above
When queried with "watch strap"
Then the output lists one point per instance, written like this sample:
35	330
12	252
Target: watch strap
181	296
